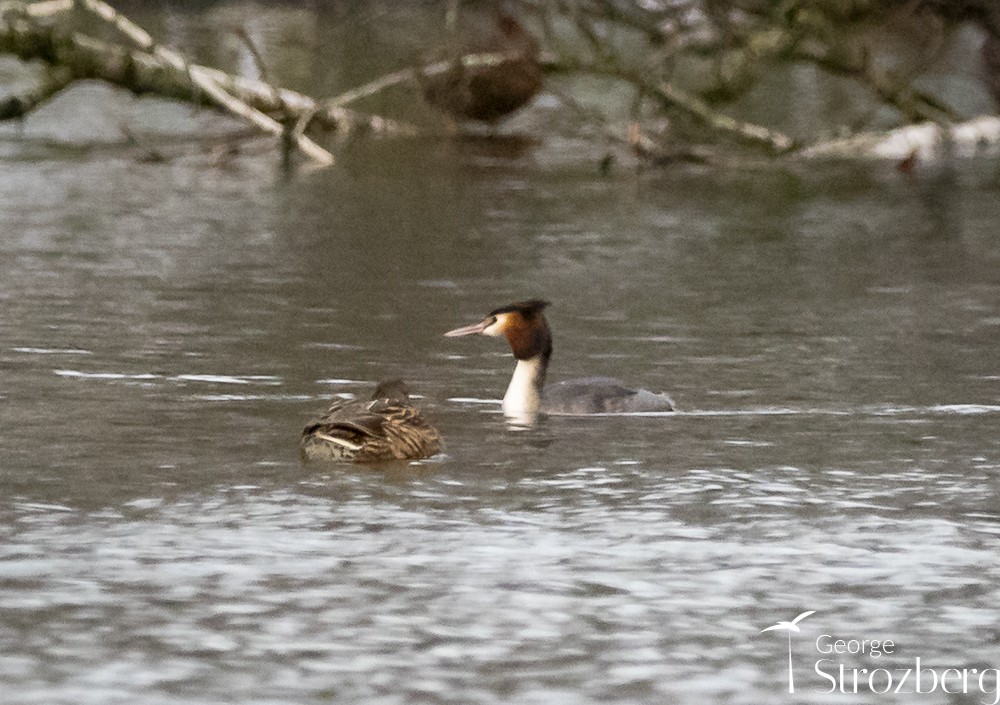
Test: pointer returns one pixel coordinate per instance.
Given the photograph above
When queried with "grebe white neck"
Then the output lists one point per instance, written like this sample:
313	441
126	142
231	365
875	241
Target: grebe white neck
524	393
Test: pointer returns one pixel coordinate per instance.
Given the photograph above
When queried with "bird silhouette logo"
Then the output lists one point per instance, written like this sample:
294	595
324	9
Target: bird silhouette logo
789	627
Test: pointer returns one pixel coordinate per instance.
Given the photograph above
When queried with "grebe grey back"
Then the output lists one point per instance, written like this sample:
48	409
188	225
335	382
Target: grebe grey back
386	427
524	326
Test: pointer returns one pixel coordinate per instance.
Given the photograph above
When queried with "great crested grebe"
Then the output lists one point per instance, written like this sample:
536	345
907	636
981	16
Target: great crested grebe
388	427
527	331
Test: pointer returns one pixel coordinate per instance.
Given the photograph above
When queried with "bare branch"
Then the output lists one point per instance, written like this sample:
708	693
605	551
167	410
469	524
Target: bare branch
203	81
663	53
371	88
672	97
404	76
258	58
78	56
47	8
923	141
19	105
916	105
746	132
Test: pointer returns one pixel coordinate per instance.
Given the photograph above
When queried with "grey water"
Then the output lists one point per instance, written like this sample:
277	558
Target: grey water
829	334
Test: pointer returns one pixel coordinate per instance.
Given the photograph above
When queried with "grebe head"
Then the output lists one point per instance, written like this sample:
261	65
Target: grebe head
522	323
524	326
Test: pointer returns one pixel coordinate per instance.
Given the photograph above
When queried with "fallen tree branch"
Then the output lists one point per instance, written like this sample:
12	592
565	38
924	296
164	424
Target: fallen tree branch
369	89
740	40
404	76
655	84
742	43
46	8
671	97
744	131
332	117
203	81
20	104
34	32
925	142
914	104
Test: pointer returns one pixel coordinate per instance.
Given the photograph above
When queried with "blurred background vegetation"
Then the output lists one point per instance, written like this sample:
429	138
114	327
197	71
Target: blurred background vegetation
660	80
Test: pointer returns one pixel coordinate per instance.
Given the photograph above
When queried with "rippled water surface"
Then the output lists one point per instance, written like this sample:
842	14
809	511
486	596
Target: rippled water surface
830	335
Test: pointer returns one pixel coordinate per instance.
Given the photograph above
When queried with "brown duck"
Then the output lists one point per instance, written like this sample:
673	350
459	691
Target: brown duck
387	427
489	93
